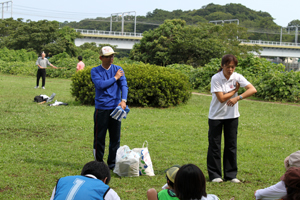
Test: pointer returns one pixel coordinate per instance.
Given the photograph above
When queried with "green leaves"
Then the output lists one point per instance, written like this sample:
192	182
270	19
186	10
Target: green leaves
148	85
175	42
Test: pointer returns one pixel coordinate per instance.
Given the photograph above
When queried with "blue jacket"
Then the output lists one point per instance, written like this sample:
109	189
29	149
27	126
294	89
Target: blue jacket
108	90
80	187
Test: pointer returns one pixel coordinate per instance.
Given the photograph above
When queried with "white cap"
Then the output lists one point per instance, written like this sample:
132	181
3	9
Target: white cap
106	51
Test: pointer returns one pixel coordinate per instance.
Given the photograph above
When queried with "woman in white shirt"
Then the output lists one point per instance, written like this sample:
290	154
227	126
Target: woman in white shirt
223	115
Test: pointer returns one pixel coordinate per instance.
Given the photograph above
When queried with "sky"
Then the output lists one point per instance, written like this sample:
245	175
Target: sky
75	10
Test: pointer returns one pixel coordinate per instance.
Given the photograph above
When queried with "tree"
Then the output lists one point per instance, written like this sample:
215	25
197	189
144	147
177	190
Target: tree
64	42
29	35
176	42
295	22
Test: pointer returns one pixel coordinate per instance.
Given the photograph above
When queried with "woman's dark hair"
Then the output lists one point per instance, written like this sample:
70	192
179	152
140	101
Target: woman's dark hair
190	183
291	180
80	58
98	169
292	194
227	59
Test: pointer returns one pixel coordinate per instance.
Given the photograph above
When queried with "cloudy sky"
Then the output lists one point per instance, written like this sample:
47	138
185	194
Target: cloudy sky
75	10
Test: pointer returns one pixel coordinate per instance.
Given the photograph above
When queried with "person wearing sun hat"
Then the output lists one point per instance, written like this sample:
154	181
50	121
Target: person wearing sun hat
168	192
111	91
278	190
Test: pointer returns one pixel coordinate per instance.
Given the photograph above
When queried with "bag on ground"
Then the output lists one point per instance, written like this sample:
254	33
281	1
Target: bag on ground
127	162
145	164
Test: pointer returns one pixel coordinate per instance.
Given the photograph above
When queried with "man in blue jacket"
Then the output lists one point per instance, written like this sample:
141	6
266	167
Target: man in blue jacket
91	184
111	91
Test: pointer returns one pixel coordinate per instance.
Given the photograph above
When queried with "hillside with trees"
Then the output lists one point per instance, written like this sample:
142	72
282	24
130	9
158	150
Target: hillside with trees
260	24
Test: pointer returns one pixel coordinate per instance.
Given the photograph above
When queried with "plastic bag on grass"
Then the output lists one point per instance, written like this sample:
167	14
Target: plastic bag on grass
127	162
145	163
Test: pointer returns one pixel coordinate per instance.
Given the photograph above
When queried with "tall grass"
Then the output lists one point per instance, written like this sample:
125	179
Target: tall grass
40	143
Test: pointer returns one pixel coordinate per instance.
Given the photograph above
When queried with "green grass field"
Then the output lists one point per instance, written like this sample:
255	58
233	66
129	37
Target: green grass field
40	143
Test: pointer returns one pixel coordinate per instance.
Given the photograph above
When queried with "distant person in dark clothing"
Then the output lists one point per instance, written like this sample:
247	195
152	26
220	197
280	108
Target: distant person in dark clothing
42	64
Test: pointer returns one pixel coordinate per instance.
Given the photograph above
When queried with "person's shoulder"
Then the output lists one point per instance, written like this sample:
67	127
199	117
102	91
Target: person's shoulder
235	74
216	77
116	66
99	67
111	195
210	197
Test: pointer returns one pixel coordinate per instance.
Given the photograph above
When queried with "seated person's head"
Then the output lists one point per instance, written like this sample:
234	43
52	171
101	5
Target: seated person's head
292	160
292	183
170	174
98	169
190	183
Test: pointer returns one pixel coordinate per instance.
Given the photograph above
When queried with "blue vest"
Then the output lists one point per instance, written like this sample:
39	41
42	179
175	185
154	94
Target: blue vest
80	187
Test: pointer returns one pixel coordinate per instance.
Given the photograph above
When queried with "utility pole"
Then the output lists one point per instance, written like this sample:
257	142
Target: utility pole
123	14
7	4
296	32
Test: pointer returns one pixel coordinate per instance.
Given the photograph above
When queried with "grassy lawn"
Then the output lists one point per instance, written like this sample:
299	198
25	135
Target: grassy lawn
41	143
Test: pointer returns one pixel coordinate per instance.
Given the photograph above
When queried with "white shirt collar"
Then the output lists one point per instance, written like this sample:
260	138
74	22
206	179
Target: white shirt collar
91	176
223	77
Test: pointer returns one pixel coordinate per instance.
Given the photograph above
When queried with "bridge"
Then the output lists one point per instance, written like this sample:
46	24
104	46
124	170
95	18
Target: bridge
126	40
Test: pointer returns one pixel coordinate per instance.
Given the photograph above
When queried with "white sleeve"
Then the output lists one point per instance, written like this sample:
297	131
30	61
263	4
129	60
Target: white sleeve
215	85
53	193
243	81
111	195
273	192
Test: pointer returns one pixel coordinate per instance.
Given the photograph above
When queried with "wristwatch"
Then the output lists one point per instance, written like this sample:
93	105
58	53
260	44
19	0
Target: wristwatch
124	100
241	97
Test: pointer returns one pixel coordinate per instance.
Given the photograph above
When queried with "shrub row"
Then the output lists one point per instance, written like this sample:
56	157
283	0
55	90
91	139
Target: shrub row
148	85
16	55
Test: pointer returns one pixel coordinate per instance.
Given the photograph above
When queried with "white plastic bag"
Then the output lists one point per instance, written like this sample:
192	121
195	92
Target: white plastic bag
145	164
127	162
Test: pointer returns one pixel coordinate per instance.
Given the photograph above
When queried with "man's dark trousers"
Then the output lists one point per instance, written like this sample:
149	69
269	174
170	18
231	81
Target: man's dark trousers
103	122
41	73
214	149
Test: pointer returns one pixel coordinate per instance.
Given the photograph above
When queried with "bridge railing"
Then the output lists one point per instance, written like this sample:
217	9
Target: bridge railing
111	33
260	42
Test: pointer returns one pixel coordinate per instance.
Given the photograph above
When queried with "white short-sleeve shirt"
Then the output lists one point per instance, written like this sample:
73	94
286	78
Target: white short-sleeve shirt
219	83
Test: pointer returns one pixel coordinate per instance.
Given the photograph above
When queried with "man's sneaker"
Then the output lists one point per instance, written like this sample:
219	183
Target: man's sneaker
217	180
36	87
43	87
235	180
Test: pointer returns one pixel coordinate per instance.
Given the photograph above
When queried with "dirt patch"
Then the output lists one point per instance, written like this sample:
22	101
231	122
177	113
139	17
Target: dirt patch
7	188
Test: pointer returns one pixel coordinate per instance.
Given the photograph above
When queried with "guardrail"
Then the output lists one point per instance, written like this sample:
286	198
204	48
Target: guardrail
260	42
111	33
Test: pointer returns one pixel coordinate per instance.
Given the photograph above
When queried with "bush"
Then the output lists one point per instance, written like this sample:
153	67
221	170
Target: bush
279	86
82	87
17	55
155	86
199	77
148	85
15	68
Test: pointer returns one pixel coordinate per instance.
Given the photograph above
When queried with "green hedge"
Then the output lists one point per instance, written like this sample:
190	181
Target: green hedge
20	62
148	85
279	86
17	55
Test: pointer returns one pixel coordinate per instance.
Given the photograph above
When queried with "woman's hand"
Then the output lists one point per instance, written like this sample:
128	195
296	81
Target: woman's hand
231	102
